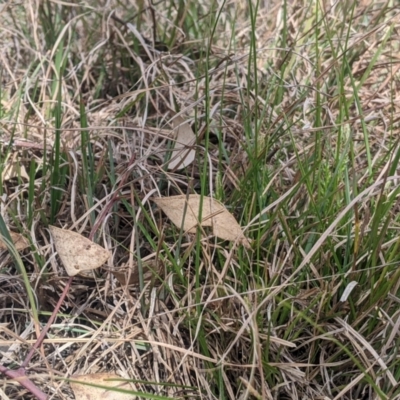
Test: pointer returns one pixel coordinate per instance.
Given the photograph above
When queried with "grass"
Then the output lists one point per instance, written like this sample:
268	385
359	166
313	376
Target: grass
295	110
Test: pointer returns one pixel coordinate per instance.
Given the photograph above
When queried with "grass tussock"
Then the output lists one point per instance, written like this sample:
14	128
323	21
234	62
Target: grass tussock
295	108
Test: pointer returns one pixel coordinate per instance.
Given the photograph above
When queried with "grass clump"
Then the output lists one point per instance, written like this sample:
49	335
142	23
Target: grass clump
295	113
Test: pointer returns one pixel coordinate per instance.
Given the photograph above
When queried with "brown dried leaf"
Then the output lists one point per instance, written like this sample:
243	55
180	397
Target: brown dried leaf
78	254
214	214
183	154
151	268
20	242
83	392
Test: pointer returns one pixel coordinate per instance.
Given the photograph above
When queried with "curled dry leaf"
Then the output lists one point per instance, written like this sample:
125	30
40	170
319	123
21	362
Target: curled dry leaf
78	254
84	392
20	242
214	214
183	154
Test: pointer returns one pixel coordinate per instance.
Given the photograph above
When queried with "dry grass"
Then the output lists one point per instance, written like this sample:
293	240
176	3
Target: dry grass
296	117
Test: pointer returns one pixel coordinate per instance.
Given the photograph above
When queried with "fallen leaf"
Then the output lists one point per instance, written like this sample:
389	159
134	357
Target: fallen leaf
20	242
151	268
78	254
13	169
214	214
84	392
183	153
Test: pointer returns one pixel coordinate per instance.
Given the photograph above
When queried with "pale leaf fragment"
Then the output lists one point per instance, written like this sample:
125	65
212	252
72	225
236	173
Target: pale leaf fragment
183	153
84	392
214	214
20	242
348	290
13	169
77	253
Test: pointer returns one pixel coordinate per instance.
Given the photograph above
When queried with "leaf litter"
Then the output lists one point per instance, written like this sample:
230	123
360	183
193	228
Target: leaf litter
78	254
184	212
20	241
183	153
82	391
163	319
